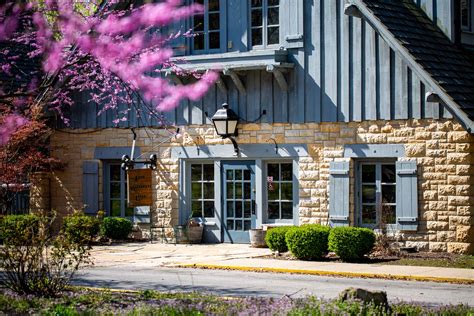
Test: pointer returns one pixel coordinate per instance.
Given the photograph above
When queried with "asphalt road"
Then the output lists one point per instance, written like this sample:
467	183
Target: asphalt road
238	283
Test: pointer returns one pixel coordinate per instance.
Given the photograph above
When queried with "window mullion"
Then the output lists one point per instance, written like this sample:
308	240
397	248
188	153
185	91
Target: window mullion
378	190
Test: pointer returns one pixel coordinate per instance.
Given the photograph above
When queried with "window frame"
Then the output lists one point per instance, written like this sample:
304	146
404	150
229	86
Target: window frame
265	26
266	200
123	189
468	27
206	32
378	192
202	199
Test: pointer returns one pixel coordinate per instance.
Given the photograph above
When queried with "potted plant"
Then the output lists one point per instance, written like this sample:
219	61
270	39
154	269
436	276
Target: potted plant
190	233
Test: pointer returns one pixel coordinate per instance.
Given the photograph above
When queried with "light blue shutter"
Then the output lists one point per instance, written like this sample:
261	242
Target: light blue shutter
90	186
339	193
291	23
407	195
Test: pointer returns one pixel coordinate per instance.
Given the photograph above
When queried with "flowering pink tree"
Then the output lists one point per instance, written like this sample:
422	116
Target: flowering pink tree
112	51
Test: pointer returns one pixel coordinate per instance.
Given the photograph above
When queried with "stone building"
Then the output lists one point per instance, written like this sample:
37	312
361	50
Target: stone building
355	113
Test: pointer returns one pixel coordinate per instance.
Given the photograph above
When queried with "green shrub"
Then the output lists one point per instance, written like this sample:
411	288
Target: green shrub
116	227
275	238
351	243
10	225
308	242
35	261
81	227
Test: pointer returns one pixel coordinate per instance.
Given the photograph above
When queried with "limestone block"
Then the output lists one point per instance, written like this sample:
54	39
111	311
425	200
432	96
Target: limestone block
309	175
446	169
320	136
459	180
464	147
430	195
458	137
437	206
438	136
465	210
422	135
251	127
347	132
374	128
444	236
387	128
438	246
374	138
418	245
437	226
436	153
464	169
446	190
458	200
458	158
330	128
429	216
415	150
465	234
433	176
461	248
460	220
464	190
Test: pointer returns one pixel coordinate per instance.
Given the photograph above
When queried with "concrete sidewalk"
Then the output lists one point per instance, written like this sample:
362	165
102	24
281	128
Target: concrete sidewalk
243	257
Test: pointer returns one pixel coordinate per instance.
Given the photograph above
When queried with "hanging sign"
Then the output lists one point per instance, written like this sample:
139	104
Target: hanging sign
270	183
139	187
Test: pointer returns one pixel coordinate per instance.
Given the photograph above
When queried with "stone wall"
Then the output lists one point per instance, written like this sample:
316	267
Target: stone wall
442	148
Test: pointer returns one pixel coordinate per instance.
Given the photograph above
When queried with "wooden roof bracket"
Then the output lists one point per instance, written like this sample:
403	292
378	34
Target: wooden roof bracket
173	77
280	78
236	79
351	9
221	84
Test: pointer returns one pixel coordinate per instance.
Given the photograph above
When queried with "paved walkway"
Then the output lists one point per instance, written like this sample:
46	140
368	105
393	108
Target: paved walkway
243	257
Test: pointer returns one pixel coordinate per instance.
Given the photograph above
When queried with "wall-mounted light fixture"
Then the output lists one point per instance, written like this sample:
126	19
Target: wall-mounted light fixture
225	122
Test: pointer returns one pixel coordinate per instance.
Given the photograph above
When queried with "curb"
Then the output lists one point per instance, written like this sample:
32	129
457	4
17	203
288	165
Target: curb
329	273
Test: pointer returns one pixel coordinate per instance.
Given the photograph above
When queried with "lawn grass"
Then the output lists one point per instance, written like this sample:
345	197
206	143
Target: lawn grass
461	261
102	302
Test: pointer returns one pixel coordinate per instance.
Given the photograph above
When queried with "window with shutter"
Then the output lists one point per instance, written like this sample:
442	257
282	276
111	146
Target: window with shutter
376	193
407	195
90	186
339	193
291	23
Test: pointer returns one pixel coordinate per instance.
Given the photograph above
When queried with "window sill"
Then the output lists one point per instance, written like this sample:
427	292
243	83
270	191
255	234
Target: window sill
237	61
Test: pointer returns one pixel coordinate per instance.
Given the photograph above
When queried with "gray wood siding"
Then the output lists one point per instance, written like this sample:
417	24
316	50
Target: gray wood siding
345	72
441	12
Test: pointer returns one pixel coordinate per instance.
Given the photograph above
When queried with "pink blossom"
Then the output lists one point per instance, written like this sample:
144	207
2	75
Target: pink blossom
10	125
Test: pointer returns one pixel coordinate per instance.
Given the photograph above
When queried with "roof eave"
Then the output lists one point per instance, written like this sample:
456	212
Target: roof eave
451	105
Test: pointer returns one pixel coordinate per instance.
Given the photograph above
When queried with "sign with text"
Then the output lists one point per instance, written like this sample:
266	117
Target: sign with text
139	187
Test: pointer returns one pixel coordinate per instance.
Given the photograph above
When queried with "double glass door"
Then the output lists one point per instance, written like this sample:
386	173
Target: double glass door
238	200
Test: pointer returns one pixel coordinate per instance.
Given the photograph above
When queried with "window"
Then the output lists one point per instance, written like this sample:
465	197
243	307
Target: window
377	194
207	27
202	188
466	15
115	189
280	191
264	22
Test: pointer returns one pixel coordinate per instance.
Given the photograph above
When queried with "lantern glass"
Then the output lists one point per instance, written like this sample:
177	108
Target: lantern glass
225	121
231	127
221	127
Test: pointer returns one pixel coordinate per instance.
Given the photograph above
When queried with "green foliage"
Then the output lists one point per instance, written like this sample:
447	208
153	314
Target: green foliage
116	227
10	225
100	302
308	242
351	243
35	261
80	227
275	238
